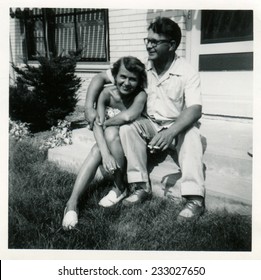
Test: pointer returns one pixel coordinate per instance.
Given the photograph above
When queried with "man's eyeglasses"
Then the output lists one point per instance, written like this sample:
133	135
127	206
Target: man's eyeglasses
155	43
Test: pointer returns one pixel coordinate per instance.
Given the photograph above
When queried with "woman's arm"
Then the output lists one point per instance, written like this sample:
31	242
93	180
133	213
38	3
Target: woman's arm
93	91
97	128
108	160
131	114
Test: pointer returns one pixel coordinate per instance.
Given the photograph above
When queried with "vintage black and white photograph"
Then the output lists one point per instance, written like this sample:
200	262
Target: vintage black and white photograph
130	129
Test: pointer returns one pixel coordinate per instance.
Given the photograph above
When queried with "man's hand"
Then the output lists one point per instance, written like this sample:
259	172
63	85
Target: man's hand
162	140
90	116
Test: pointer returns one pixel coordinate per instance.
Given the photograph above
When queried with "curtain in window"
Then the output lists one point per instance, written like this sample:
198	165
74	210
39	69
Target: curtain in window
91	30
35	33
39	37
82	29
65	31
70	30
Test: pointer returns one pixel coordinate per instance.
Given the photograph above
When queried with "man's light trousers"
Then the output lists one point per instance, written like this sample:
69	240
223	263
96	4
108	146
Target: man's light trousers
136	136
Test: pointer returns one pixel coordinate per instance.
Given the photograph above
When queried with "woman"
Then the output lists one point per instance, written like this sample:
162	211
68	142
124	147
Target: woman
119	104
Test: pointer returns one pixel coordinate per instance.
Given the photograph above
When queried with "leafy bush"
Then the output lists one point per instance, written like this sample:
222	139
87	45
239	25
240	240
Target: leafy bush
46	93
18	130
62	136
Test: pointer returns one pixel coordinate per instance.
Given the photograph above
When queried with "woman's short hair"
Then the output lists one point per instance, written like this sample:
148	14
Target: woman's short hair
134	65
166	27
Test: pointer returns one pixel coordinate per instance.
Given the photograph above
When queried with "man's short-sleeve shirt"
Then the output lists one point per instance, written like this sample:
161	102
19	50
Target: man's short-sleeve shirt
169	95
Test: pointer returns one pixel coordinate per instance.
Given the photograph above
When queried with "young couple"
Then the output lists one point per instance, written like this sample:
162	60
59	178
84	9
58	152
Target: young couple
173	106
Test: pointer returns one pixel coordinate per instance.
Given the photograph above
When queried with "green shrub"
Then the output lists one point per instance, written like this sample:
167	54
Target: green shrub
18	130
46	93
61	135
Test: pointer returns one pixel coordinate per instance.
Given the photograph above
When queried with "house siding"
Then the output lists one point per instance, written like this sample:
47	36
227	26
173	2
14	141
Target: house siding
16	41
129	27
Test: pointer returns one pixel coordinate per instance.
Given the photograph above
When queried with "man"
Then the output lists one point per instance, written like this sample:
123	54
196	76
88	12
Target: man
173	107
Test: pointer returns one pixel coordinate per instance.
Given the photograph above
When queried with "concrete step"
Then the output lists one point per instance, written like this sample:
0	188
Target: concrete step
223	159
228	167
227	137
230	164
223	199
69	158
222	191
82	136
232	186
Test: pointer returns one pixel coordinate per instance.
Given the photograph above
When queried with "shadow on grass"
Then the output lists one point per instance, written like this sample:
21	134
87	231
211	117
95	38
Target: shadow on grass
38	191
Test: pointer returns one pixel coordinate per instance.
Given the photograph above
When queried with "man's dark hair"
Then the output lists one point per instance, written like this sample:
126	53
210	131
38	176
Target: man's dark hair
134	65
166	27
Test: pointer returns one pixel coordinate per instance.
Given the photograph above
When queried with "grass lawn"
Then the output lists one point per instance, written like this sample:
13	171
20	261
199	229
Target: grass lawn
38	191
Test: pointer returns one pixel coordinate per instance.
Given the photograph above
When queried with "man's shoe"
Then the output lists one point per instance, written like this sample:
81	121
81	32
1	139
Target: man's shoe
140	186
136	197
192	210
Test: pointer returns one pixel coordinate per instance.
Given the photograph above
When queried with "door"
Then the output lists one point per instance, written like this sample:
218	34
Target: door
220	46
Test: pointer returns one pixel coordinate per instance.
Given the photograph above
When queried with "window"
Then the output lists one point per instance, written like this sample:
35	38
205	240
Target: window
220	26
63	30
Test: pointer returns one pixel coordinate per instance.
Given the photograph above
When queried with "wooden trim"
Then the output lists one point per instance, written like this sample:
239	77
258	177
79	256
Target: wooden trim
92	67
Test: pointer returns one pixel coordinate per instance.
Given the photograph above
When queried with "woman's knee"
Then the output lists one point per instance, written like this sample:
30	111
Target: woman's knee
111	134
95	151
